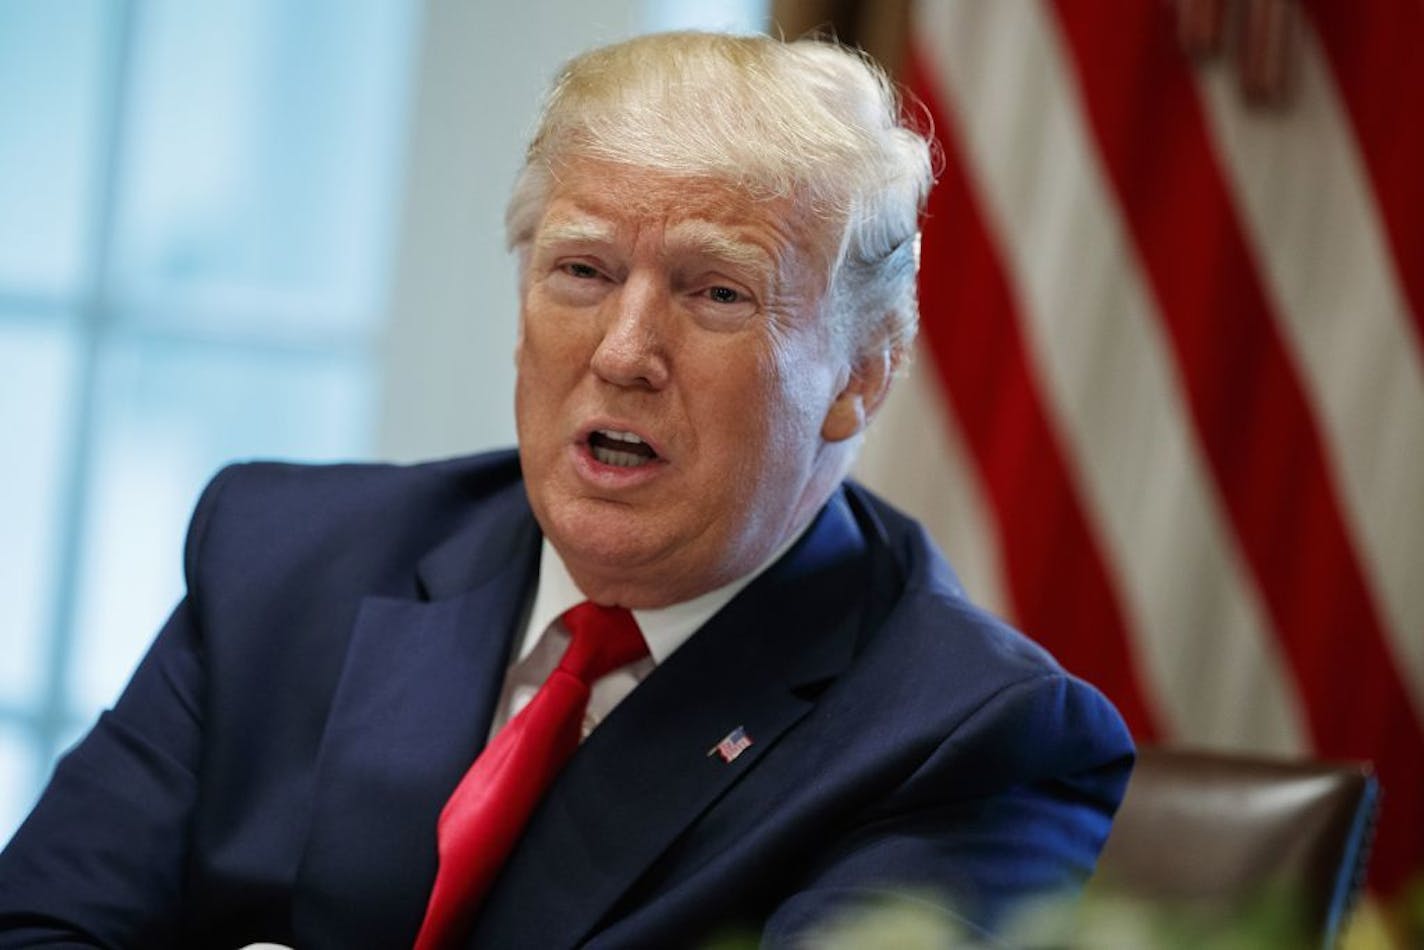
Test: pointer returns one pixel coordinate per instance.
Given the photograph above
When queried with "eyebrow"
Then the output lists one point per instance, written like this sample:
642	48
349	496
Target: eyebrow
581	230
712	240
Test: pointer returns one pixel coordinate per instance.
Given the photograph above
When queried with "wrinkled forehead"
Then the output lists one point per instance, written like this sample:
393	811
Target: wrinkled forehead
599	202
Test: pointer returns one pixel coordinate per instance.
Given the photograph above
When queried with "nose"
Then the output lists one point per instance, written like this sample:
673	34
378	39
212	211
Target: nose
633	351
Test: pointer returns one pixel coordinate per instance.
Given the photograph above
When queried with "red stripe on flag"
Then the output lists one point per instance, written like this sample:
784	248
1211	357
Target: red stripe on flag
1376	51
1247	402
1056	576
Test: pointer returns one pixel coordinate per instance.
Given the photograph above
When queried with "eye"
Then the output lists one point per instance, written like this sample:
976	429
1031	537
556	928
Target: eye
580	270
720	307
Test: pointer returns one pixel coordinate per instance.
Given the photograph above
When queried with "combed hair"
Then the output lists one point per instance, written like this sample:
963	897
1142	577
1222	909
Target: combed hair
809	120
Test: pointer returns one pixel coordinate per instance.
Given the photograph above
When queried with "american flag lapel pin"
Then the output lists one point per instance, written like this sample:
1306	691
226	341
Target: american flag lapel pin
732	745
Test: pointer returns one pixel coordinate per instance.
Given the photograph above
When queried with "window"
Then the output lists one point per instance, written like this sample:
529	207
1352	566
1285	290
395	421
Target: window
194	252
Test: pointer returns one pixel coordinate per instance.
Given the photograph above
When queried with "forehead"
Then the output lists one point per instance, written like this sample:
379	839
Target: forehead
598	201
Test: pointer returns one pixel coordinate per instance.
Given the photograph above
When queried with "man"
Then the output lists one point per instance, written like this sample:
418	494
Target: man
344	738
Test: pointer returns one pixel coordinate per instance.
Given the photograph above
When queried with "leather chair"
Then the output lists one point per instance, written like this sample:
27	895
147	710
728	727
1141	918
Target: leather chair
1212	838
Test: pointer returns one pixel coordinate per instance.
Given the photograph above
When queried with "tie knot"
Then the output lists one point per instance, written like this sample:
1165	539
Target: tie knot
603	639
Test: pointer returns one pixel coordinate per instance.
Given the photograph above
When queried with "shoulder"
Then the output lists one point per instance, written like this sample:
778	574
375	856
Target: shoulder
258	519
981	683
285	493
273	489
931	615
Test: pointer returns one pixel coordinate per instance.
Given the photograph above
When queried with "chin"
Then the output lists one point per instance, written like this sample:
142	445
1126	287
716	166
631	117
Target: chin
600	535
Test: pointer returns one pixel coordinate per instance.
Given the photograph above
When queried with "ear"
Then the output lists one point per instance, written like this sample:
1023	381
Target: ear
860	397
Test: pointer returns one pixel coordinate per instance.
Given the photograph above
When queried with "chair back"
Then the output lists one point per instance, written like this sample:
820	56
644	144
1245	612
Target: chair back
1214	835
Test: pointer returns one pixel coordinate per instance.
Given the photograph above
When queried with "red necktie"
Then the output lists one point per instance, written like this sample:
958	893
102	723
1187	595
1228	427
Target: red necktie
486	814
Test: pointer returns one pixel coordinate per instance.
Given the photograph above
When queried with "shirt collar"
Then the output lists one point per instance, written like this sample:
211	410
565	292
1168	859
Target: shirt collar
664	628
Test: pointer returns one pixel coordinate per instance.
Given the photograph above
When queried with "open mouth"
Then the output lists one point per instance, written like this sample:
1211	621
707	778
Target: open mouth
621	449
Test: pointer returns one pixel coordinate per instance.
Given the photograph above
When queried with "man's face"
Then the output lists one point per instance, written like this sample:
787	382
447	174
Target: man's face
681	397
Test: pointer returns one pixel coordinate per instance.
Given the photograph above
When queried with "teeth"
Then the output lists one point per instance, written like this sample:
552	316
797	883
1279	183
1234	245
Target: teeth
623	449
621	436
615	457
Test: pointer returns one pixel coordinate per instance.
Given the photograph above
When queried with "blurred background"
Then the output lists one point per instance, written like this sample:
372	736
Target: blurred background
1167	412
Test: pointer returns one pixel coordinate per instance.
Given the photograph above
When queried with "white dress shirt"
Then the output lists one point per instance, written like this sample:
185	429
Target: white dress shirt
544	638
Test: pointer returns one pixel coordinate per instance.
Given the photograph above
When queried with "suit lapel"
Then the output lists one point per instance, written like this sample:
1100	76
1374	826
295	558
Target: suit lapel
410	713
645	774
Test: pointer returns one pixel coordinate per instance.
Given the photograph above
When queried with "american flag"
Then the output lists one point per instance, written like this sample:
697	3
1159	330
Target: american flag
1167	414
732	745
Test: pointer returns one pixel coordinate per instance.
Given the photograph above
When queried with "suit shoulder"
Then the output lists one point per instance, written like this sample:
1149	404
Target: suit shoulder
932	609
278	492
985	691
939	636
279	512
934	633
356	483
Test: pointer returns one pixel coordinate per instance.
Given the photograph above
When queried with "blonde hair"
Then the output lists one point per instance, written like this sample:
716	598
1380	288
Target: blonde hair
808	119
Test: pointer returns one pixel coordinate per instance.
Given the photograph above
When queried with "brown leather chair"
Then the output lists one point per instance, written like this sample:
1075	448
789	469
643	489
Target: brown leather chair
1212	837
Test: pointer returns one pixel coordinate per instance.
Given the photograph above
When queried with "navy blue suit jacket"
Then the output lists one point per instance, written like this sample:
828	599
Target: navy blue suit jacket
275	768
